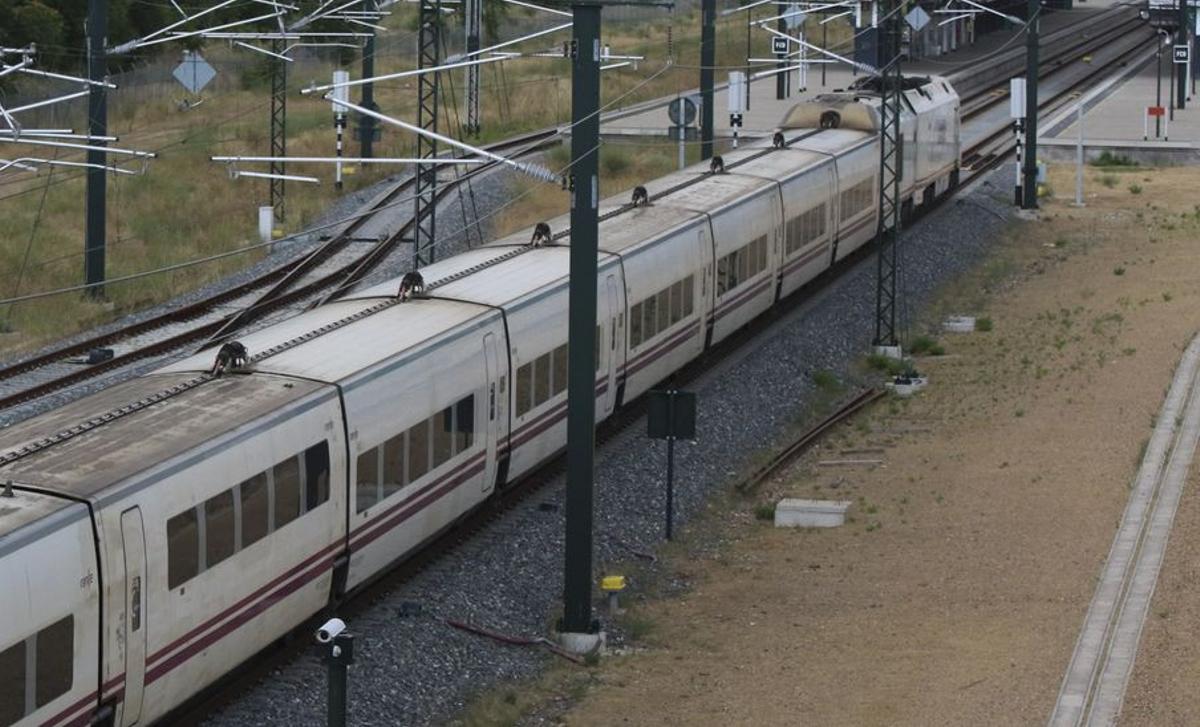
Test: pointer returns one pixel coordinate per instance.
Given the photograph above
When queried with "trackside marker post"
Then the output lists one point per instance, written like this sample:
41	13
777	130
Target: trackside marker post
671	415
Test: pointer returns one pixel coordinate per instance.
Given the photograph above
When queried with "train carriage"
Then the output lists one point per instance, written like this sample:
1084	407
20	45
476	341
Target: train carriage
154	546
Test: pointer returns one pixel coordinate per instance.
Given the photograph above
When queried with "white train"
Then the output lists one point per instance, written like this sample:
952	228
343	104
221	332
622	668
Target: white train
155	535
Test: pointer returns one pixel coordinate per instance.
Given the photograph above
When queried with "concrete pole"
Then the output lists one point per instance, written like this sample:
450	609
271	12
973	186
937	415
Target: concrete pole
708	58
1029	182
94	241
581	304
366	124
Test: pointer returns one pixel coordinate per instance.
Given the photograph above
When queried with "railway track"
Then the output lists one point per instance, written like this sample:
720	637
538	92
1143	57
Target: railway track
243	680
321	271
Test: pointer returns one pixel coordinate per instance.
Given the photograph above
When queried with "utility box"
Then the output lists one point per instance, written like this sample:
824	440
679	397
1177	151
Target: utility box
797	513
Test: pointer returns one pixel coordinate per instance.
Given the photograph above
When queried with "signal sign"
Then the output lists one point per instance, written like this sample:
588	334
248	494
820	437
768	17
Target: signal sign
1181	54
779	46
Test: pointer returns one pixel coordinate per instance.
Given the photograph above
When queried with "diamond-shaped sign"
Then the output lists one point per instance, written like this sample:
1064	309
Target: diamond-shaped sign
793	18
194	73
917	18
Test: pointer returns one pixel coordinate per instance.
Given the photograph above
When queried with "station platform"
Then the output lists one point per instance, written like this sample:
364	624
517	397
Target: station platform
1114	120
766	110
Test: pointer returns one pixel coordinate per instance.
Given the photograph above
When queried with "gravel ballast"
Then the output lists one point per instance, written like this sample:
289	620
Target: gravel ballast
413	669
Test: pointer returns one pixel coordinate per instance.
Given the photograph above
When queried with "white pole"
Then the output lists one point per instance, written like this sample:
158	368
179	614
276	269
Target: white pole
1079	156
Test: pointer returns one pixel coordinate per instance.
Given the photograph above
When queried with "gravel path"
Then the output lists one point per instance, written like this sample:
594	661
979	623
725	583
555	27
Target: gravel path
415	670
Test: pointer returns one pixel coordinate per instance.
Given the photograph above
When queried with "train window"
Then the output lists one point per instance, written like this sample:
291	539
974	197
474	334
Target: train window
560	369
12	683
635	325
183	548
393	466
689	295
255	504
541	379
366	490
524	389
218	528
418	450
287	491
664	309
723	275
649	318
55	660
762	253
464	423
443	436
677	302
316	471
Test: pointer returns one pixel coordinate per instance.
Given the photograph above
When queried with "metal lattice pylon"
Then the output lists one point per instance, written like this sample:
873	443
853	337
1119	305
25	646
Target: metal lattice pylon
474	23
278	125
891	160
425	210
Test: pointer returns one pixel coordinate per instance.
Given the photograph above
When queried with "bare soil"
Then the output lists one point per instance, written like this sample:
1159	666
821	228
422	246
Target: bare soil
955	593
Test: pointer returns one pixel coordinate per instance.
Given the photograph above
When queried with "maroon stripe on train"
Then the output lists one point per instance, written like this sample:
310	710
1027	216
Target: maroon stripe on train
639	361
373	522
414	506
805	259
404	510
81	703
197	631
675	342
181	656
749	295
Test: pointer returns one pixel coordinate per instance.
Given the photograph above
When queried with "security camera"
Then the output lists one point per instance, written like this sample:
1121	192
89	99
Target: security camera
330	630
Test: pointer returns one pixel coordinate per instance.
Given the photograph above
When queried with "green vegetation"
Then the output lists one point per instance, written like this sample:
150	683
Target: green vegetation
1108	159
983	324
764	511
926	345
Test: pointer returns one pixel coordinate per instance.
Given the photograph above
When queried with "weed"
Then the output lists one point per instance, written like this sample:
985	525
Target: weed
1129	351
1108	180
1108	159
983	324
1135	189
764	511
925	345
873	526
1118	271
1166	297
637	628
887	364
1019	413
826	381
1141	454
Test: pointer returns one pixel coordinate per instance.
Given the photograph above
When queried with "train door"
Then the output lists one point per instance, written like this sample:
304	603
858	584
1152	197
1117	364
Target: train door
615	308
495	408
704	255
134	544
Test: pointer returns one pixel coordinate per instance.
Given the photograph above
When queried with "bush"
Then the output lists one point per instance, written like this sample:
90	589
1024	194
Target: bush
1108	159
1108	180
765	511
1135	189
925	345
887	364
826	380
983	324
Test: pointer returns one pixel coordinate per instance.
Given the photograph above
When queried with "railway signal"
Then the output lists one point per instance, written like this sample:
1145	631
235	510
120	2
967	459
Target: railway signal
671	415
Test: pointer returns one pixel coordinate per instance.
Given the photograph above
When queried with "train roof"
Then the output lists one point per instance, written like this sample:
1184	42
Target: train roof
349	350
24	508
86	464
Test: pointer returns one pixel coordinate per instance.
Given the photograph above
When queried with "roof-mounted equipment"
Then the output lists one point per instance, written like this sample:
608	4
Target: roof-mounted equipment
641	196
541	235
778	141
231	356
716	165
411	285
